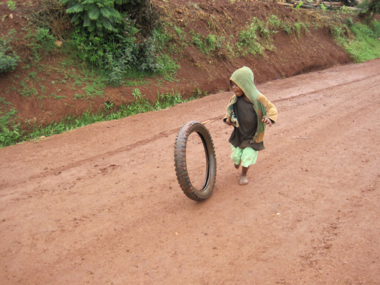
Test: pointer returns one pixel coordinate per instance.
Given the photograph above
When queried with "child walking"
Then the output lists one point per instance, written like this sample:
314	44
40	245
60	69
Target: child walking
249	112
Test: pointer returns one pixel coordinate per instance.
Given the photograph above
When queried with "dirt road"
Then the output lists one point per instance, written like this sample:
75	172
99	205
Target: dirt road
101	204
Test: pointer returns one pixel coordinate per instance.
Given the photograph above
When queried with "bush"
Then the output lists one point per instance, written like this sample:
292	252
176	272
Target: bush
95	16
8	62
50	14
107	37
371	8
9	132
44	41
117	55
375	26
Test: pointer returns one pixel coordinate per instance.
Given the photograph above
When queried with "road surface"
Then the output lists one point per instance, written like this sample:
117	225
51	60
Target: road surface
101	204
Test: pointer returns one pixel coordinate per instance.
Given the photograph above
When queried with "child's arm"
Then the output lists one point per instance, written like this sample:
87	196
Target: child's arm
230	118
228	121
267	121
271	115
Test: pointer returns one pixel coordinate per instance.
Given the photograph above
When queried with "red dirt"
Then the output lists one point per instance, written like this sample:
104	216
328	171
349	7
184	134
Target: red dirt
101	204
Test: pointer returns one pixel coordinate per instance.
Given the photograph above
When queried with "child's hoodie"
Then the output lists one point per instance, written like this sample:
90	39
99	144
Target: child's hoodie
244	78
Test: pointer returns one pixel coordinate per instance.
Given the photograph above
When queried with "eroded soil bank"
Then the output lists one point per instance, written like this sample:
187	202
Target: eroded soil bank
199	73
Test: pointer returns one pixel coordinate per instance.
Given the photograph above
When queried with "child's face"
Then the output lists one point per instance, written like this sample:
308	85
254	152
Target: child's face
237	90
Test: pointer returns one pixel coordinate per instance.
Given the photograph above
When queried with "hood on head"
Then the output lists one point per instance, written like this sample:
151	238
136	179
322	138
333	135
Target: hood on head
244	78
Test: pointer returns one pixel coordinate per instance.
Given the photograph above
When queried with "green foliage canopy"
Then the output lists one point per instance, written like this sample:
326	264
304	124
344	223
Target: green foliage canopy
96	15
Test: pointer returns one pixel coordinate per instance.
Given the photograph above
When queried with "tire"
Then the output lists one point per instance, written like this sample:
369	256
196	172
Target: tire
180	161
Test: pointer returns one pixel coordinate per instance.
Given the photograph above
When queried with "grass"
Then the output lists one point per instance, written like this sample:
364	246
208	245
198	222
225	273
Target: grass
9	130
10	133
364	45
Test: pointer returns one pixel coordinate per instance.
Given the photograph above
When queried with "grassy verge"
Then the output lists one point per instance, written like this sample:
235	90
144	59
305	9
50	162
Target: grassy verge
364	44
10	133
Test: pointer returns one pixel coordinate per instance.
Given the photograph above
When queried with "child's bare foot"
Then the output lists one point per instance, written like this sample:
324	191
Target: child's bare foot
237	166
243	180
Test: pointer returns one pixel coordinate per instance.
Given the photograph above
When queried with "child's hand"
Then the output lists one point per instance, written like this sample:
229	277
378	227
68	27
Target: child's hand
267	121
228	121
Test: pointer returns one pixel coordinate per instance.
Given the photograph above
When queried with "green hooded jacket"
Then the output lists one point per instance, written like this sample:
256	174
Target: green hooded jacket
243	77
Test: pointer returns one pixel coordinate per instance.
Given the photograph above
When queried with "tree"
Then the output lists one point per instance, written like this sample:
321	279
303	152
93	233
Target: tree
373	9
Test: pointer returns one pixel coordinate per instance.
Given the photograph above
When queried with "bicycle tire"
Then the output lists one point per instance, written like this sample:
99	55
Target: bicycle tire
180	161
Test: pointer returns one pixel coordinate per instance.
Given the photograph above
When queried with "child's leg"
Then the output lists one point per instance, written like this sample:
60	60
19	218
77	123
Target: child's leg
243	176
248	157
236	155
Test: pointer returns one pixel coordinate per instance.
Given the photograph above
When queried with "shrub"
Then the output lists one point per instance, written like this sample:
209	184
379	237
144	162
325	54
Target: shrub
274	21
8	62
371	8
375	26
287	28
96	15
107	37
50	14
9	132
44	41
116	55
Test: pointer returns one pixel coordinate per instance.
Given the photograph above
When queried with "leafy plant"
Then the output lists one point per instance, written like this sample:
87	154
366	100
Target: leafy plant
323	7
287	28
108	105
41	43
9	131
116	55
167	100
95	16
197	41
298	27
274	21
375	26
344	10
12	5
8	61
136	93
179	32
299	5
371	8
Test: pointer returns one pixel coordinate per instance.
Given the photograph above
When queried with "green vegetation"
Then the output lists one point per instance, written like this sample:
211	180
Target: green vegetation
298	28
11	133
371	9
258	37
97	16
9	129
323	7
299	5
8	61
207	44
107	39
364	44
12	5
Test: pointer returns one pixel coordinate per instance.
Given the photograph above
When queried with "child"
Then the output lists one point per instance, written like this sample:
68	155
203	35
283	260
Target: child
249	112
